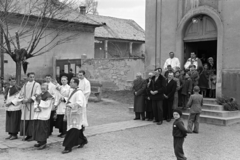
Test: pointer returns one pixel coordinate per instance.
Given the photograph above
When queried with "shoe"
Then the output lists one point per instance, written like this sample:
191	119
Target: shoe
63	136
149	120
42	147
13	137
136	119
189	132
30	139
143	119
155	121
159	123
9	137
37	145
60	135
168	120
66	151
195	132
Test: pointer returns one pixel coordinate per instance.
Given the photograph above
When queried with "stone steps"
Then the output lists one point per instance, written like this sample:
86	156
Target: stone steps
222	121
212	113
217	113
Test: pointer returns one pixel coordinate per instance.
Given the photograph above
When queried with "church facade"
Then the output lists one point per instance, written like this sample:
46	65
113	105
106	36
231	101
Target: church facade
206	27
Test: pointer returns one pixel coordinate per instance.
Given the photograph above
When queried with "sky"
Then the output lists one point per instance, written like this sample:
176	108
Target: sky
127	9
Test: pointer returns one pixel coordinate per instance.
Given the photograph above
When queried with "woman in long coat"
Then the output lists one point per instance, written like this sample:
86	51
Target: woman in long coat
139	86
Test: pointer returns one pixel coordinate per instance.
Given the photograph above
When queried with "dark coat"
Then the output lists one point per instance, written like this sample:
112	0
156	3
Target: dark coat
186	86
139	86
158	85
148	88
170	89
179	129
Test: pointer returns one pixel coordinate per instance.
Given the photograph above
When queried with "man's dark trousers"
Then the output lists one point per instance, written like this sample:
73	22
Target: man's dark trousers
157	110
178	148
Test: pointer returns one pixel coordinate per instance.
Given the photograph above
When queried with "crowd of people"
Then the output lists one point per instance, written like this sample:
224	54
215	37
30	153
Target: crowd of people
170	88
35	109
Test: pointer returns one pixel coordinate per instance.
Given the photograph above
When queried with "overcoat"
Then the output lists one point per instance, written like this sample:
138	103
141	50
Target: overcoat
139	86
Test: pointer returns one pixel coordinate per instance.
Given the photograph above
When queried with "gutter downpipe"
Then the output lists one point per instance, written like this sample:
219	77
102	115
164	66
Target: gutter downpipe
158	32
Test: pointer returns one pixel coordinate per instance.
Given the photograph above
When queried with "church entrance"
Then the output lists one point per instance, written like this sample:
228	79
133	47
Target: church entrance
201	38
203	50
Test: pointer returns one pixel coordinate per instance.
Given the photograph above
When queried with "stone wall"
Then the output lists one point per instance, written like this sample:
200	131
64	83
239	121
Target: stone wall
115	74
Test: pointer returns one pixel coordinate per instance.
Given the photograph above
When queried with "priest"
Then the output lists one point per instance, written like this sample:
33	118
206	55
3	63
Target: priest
42	110
13	109
76	118
28	94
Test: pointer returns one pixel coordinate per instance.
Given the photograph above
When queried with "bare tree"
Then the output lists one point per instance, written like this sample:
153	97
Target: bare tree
26	23
91	6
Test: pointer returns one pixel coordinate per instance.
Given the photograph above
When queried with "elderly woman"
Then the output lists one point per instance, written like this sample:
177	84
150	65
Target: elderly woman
139	86
177	79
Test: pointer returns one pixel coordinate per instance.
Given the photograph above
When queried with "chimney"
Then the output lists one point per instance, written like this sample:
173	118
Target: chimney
82	10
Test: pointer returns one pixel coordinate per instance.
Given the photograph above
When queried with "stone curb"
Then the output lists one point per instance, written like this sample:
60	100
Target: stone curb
90	132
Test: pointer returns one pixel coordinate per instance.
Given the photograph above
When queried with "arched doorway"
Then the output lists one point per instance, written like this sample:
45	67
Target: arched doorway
201	37
187	32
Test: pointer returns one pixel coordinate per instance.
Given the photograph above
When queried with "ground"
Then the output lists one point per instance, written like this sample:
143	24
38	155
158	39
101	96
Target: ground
146	142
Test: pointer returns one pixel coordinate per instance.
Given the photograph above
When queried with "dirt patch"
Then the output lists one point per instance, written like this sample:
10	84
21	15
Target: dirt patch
123	96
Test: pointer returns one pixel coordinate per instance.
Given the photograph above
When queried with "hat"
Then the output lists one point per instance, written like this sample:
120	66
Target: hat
178	111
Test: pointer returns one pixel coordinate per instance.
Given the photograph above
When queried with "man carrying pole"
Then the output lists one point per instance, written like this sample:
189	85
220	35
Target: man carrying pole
28	93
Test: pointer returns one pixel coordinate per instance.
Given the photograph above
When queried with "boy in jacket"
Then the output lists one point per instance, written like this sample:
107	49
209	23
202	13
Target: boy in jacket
179	133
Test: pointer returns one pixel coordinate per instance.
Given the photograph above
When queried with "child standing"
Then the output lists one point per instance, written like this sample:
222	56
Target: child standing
186	89
195	103
193	73
179	133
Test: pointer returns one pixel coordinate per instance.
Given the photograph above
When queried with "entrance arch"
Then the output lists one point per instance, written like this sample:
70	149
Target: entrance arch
181	29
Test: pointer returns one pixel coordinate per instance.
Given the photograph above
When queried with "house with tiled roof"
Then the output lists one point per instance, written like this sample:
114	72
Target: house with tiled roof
62	57
118	37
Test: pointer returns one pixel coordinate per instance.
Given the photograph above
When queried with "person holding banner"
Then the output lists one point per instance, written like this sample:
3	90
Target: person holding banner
13	109
76	118
28	94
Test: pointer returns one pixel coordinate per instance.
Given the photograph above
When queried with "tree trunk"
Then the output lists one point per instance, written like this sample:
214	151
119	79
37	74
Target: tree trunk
18	72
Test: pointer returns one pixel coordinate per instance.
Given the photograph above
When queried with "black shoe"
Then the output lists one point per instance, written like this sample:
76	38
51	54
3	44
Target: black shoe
30	139
9	137
136	119
168	120
63	136
155	121
143	119
66	151
195	132
37	145
149	119
42	147
159	123
60	135
13	138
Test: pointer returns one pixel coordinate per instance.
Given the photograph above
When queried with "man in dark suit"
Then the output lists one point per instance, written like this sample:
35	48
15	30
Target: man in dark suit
157	89
169	97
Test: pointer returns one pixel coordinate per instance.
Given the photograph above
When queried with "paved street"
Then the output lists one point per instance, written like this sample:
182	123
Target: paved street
114	135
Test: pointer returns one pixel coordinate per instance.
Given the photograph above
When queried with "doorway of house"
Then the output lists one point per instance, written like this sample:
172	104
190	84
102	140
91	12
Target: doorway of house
203	50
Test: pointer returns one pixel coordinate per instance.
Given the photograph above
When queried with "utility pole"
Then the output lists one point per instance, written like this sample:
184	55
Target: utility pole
2	58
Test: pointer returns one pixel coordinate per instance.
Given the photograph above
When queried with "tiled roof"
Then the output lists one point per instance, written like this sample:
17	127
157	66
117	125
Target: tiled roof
66	14
117	28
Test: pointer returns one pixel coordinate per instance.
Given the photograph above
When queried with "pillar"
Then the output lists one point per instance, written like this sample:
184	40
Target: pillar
106	48
130	48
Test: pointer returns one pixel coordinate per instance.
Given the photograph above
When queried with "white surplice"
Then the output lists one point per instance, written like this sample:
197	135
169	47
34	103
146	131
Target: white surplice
29	91
174	62
62	94
85	86
76	116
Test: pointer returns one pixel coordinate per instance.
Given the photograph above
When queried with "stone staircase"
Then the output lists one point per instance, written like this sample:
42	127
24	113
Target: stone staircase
212	113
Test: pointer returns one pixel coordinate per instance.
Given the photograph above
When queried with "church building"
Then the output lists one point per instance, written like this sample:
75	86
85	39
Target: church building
209	28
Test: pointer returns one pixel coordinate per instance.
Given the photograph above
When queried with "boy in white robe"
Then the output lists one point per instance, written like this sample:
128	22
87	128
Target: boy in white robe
60	105
52	90
42	111
28	94
13	109
75	116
